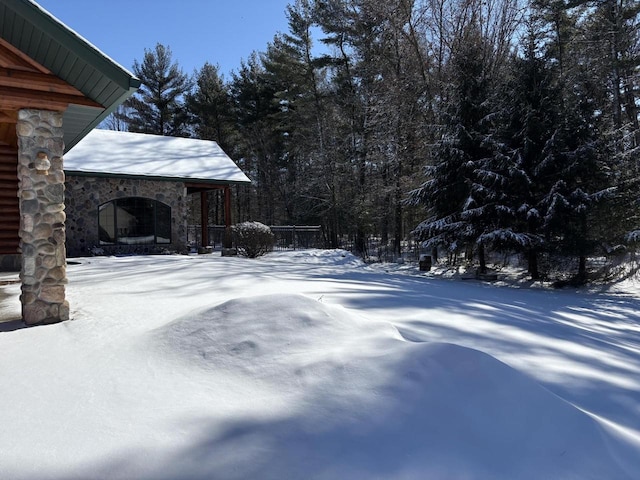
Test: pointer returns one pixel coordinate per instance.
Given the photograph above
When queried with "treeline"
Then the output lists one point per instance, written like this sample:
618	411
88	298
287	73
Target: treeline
471	125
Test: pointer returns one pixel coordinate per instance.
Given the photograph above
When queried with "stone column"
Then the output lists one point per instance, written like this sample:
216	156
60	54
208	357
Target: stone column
42	216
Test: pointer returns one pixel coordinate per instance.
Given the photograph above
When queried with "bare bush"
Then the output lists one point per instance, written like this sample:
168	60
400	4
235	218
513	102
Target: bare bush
253	239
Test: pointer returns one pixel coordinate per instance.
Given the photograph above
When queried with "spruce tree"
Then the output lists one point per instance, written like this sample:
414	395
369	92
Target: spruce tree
575	156
209	107
460	204
611	39
530	112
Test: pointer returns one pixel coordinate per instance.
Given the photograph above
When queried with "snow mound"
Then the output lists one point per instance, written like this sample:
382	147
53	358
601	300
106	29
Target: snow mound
317	257
257	332
356	400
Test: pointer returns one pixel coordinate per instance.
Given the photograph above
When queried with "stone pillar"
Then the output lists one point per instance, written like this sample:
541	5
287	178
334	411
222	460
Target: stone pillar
42	216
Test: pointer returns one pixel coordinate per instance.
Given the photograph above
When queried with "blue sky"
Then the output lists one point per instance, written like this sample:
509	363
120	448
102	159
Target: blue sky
220	32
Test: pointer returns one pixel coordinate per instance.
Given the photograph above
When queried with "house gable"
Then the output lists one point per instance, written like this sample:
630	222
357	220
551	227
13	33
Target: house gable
24	83
42	41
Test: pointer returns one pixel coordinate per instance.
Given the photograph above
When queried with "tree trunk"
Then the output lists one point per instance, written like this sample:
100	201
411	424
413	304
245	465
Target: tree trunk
582	269
360	244
482	259
533	264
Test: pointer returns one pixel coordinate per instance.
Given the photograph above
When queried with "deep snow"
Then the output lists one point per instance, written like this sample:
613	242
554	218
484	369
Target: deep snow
312	365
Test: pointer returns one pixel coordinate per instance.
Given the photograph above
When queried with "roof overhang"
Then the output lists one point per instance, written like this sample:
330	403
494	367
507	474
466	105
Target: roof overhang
103	83
190	183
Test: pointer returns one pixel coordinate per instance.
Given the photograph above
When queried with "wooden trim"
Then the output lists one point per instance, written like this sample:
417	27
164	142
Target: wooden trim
12	98
195	187
9	117
8	150
36	81
11	56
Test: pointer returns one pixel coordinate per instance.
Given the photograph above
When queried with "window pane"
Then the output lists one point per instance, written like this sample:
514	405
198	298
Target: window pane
134	221
106	224
134	217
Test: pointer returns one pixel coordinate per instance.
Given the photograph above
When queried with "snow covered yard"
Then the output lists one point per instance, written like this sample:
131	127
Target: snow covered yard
311	365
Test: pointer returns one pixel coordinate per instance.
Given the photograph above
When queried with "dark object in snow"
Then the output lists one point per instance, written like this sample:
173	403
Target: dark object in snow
425	263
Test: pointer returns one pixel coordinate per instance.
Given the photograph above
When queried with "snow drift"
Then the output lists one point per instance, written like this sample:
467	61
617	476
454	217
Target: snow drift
343	397
170	371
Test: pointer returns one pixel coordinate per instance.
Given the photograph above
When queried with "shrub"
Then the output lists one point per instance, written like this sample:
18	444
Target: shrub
253	239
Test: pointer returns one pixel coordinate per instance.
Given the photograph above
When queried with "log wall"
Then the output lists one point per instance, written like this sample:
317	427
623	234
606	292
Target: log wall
9	203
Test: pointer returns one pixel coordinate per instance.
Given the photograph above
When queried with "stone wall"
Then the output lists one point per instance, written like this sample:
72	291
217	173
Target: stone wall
85	194
42	216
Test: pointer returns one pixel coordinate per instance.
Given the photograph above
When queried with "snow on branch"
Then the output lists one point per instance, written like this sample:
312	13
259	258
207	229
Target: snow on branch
507	237
633	237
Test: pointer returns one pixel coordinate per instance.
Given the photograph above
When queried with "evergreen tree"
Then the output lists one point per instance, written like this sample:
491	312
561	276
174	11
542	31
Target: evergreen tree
209	107
461	203
611	39
298	82
157	105
574	156
530	113
260	143
350	31
399	115
210	117
380	95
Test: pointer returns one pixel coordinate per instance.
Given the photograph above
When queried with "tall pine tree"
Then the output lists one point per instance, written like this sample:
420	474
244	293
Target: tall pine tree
209	107
157	107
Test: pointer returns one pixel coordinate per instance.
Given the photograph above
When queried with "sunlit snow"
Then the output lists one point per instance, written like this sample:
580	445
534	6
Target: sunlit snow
312	365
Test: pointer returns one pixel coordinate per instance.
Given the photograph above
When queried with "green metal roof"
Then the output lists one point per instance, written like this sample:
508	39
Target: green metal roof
38	34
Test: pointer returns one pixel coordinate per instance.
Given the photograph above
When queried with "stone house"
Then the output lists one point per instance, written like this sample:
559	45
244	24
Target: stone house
127	192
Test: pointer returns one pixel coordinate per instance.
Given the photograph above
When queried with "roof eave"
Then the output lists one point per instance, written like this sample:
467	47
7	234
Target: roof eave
43	20
70	57
80	173
69	144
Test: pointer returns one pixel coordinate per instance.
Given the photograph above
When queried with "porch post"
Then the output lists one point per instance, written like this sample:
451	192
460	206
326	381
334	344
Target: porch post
42	216
204	218
227	217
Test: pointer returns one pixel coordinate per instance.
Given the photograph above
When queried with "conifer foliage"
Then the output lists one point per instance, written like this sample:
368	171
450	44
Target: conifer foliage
473	126
157	106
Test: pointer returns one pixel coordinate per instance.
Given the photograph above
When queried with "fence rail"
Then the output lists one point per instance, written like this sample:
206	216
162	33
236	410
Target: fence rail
287	237
295	237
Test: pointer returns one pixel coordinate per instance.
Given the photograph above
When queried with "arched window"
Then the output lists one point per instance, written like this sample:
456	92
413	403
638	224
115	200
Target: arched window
134	221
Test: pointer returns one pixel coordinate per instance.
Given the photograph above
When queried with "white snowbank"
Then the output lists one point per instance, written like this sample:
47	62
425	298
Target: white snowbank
177	368
348	398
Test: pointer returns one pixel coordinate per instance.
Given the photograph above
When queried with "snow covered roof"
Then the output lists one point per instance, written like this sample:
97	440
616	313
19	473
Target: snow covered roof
109	152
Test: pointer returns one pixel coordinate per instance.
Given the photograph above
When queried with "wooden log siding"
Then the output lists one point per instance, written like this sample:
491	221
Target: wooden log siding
9	205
